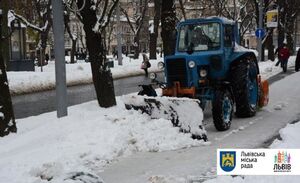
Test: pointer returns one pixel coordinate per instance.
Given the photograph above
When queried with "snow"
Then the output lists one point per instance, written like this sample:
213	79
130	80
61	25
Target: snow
184	112
239	48
78	73
47	149
10	18
86	141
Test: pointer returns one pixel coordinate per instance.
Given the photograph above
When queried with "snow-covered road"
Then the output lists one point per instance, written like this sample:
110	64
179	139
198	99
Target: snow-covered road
201	161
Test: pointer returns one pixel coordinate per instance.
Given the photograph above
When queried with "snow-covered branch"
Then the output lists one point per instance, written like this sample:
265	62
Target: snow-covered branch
128	20
113	7
12	14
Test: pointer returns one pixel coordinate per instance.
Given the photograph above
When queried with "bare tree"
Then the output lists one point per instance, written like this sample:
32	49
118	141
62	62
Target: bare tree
95	16
168	24
289	10
109	35
136	23
182	8
72	35
42	14
7	118
154	29
241	11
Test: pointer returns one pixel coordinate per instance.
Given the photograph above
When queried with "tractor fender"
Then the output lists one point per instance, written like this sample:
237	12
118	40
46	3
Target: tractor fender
224	85
245	56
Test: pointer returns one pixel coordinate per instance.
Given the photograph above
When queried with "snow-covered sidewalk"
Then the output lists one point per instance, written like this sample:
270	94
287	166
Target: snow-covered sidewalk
76	74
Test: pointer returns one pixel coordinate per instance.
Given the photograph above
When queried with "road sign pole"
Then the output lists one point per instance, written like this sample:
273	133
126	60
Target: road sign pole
260	26
59	52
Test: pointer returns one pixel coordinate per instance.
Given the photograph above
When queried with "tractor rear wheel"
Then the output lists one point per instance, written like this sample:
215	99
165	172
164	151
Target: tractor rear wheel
222	109
245	87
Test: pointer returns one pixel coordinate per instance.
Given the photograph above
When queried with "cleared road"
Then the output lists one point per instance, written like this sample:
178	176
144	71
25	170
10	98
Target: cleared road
37	103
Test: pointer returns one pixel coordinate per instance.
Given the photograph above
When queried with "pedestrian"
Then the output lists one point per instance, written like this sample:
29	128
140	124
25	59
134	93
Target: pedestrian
145	64
297	64
283	56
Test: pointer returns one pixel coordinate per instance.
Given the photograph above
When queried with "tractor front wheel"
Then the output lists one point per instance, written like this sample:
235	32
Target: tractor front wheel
222	109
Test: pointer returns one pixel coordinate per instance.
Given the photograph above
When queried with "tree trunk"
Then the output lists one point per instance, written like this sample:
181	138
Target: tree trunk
136	47
5	31
281	20
154	35
269	45
7	118
290	33
168	24
102	76
72	61
43	48
152	46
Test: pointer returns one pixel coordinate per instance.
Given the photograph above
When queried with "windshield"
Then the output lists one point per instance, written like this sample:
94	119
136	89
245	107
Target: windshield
199	37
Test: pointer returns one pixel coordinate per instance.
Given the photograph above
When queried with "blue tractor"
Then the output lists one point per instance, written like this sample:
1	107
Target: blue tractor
209	65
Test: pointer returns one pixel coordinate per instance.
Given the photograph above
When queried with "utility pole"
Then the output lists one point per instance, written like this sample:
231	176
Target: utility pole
119	46
59	52
260	26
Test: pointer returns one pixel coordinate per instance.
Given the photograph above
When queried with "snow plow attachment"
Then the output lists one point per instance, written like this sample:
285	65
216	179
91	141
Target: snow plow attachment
264	93
182	112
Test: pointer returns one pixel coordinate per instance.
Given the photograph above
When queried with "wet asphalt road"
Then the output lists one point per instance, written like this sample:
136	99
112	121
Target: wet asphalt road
37	103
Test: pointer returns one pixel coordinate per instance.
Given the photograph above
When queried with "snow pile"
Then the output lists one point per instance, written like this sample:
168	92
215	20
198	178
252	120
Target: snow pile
78	73
290	137
47	148
183	112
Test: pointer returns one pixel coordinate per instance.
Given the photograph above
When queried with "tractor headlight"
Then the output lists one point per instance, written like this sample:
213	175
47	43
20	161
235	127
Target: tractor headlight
161	65
192	64
152	76
203	73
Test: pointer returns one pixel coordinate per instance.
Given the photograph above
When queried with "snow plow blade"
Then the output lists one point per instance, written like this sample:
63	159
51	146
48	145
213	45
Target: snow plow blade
184	113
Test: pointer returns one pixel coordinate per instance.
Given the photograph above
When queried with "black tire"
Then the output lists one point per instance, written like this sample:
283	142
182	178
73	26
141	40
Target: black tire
222	109
241	73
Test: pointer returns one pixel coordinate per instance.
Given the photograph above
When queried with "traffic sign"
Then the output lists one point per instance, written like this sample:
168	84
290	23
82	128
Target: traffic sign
260	33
